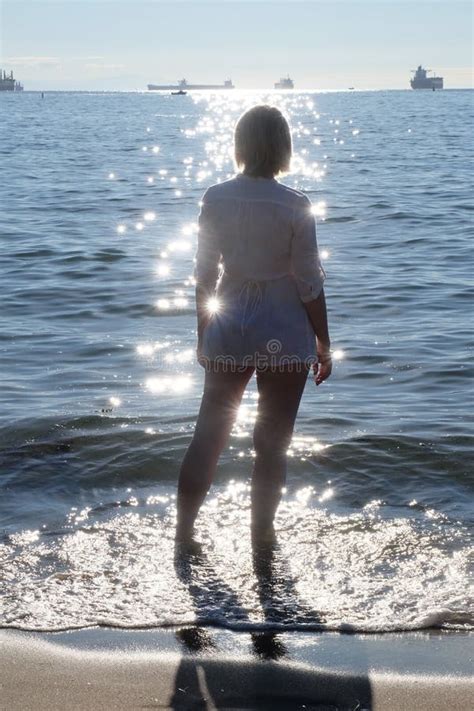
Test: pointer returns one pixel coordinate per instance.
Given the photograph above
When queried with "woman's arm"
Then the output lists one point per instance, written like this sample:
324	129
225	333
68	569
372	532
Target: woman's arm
310	275
203	295
307	268
207	265
317	314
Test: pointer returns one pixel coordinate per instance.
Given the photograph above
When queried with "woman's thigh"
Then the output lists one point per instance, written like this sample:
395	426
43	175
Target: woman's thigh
280	393
223	390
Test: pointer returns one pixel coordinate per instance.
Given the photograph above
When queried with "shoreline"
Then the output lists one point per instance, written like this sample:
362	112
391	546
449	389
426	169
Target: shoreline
196	667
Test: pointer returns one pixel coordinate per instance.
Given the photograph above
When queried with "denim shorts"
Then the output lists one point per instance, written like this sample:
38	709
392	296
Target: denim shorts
260	323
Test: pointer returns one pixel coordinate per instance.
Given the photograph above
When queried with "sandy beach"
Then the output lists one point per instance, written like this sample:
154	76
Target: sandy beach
199	668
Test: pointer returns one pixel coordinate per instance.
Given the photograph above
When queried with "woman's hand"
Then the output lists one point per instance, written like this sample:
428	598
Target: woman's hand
316	310
322	370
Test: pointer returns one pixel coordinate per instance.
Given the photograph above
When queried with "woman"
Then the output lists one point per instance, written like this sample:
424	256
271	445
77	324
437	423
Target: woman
260	308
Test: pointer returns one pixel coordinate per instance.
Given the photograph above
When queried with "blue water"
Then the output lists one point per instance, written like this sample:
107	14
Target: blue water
100	390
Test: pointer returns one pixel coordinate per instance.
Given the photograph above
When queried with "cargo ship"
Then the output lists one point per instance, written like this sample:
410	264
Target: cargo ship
184	86
422	81
9	83
285	83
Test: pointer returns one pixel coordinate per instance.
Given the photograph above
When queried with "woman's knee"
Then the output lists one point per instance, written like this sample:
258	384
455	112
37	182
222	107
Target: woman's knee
204	449
271	442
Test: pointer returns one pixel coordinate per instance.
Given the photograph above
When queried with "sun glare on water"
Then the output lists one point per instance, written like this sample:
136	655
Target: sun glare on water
167	385
174	243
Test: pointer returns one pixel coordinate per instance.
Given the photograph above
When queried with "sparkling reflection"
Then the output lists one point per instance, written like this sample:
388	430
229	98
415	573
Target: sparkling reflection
116	563
319	208
213	305
163	270
162	384
372	564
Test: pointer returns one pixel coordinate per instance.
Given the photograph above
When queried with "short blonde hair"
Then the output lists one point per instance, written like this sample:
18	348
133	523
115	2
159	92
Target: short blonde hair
262	142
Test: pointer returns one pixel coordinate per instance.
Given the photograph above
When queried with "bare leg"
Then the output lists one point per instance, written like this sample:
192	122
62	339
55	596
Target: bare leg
220	401
279	398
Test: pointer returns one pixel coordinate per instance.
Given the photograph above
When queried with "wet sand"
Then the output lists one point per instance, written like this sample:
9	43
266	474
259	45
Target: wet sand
204	668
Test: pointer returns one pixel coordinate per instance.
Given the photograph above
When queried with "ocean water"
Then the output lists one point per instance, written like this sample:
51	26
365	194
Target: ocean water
100	388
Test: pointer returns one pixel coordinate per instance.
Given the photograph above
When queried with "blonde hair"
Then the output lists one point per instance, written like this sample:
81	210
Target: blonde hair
262	142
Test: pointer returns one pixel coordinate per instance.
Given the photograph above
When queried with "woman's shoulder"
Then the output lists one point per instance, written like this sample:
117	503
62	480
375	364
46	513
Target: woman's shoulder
240	187
220	190
296	197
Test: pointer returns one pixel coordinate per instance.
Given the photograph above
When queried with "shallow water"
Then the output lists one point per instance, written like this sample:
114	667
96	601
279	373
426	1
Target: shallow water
100	390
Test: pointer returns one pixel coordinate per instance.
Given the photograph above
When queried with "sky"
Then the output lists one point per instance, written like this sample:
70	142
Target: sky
321	44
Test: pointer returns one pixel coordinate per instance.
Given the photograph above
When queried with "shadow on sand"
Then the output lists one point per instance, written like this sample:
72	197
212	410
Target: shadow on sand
264	676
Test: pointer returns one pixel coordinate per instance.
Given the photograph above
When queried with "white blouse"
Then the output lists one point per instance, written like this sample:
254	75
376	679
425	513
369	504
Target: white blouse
258	229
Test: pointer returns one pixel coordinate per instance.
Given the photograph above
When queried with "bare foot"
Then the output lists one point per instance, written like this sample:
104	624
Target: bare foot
186	544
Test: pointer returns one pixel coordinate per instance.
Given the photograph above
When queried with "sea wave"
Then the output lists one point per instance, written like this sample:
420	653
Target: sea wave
96	260
373	569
